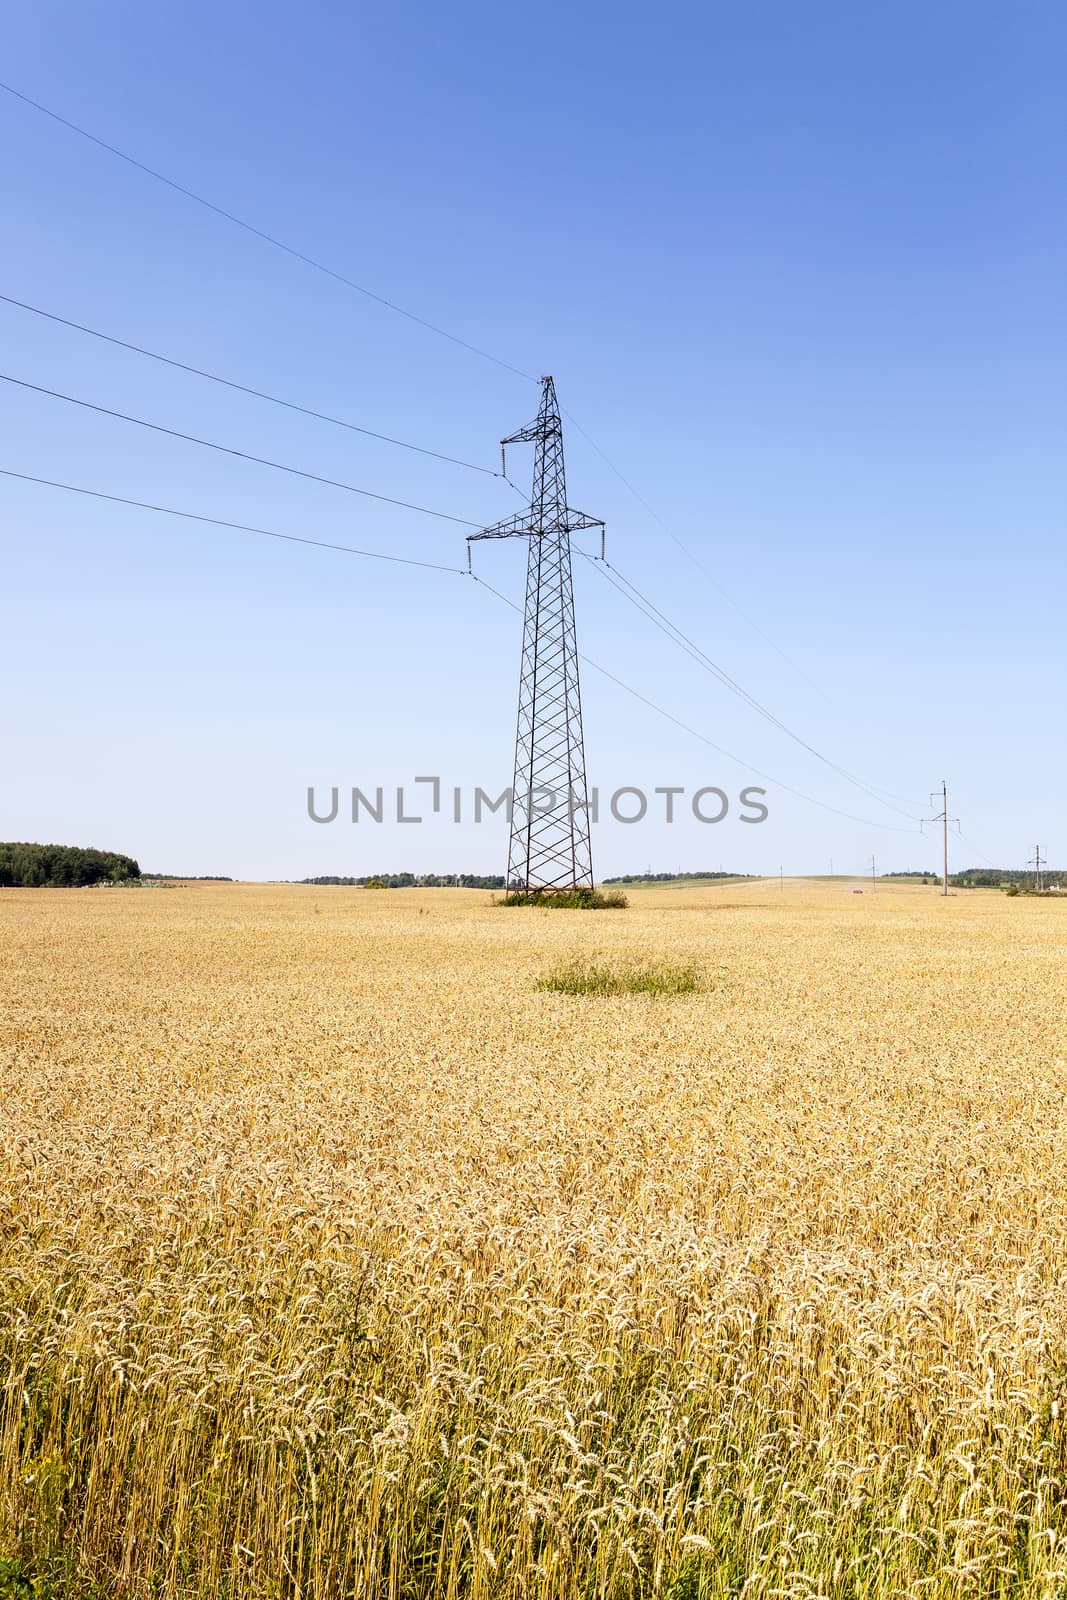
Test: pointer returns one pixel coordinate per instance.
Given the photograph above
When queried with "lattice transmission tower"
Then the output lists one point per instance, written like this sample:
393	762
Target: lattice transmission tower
549	847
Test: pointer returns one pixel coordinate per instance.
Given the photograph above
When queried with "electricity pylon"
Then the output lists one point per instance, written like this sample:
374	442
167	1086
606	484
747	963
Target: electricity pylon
1037	861
549	847
944	819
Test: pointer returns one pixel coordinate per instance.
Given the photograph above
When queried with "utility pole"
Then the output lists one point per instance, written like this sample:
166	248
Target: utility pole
874	878
944	819
549	848
831	866
781	878
1037	863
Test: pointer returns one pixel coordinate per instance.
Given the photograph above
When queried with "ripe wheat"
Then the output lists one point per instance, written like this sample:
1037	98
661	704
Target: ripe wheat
339	1259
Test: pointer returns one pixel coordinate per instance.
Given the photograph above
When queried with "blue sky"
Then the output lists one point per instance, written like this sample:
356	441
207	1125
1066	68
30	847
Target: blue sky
797	270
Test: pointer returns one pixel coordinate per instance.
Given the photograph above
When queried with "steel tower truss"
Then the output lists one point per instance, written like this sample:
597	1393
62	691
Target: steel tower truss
549	848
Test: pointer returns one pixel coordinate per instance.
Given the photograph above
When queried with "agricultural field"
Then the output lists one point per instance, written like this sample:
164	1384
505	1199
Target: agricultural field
340	1257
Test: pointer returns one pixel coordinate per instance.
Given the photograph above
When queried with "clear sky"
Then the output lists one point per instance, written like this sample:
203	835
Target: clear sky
797	269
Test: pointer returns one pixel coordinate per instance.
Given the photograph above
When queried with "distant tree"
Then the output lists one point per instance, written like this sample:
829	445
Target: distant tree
58	866
409	880
673	877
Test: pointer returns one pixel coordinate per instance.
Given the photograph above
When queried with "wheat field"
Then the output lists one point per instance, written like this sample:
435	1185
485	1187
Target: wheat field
339	1258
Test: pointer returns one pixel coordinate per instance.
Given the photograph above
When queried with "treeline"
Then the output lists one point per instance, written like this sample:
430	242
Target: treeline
61	866
411	880
1004	877
989	877
674	877
185	877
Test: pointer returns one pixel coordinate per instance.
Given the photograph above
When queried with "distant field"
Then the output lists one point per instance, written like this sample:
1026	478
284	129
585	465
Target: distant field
339	1259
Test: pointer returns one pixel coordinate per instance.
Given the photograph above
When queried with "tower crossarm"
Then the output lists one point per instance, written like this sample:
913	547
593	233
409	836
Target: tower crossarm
525	523
533	430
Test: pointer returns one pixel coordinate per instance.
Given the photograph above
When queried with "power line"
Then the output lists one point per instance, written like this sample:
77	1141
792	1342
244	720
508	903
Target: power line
887	827
666	626
260	233
308	260
244	388
220	522
641	601
228	450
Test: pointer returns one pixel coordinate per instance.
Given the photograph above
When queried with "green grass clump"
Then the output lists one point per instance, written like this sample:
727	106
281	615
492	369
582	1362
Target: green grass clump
581	977
14	1584
568	899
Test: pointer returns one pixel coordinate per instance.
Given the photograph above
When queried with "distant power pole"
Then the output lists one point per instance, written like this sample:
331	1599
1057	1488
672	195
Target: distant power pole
831	866
874	878
550	846
781	878
944	819
1037	863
